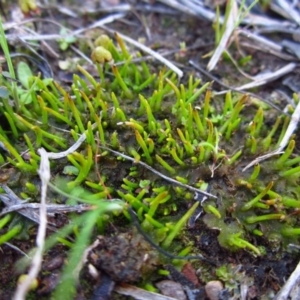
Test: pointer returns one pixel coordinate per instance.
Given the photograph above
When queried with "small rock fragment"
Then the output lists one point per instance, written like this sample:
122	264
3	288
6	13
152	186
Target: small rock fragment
213	289
171	289
190	273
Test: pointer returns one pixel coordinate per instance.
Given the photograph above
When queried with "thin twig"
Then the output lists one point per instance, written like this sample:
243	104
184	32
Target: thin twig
44	172
51	208
138	293
224	42
169	179
146	49
230	88
294	279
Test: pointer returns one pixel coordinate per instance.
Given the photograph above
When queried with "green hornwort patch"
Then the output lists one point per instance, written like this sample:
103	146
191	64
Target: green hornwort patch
180	130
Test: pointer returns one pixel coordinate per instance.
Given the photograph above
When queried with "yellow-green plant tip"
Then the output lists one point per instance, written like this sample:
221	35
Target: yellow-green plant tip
291	172
163	272
90	136
151	120
159	189
178	226
151	145
257	232
146	83
149	287
135	154
134	202
132	185
10	234
133	124
12	150
255	173
122	46
115	100
175	89
199	126
100	130
182	180
189	126
253	147
55	138
266	142
114	140
96	186
292	161
234	158
250	204
213	210
206	107
12	125
245	183
182	92
199	92
176	158
120	115
201	151
258	121
4	220
290	231
31	187
268	217
153	222
162	162
234	114
283	130
235	240
76	114
290	202
159	199
186	143
2	160
121	82
89	105
143	145
228	106
65	242
179	263
45	119
287	153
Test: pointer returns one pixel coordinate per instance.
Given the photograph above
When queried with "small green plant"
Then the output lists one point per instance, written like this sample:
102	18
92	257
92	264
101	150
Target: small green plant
178	139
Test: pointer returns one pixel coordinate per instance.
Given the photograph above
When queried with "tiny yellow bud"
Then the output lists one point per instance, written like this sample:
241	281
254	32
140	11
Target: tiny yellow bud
27	5
34	284
103	40
101	55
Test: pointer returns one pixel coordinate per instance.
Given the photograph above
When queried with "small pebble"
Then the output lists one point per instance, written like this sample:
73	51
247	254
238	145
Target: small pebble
171	289
213	289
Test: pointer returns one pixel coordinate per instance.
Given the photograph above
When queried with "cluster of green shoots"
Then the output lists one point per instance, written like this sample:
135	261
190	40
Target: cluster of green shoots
177	129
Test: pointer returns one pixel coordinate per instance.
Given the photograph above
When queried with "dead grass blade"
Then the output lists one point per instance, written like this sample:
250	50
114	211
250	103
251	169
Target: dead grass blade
138	293
147	50
44	173
293	280
225	40
169	179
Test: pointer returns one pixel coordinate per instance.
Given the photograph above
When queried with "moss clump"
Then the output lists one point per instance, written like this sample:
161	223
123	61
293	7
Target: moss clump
177	129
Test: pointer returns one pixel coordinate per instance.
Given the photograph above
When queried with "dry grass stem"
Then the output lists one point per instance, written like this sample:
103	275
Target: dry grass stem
225	40
138	293
44	173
